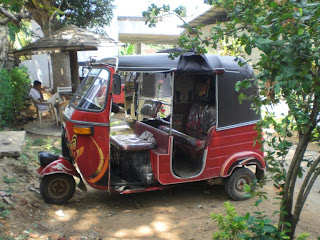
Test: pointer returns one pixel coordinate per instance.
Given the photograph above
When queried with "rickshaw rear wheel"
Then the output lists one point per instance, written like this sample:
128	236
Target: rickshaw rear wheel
57	188
234	185
115	108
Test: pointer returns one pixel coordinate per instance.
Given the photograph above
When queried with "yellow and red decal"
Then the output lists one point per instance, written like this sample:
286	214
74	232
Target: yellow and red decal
76	152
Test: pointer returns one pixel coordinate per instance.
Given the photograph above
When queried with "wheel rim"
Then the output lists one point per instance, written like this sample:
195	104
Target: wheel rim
239	186
59	188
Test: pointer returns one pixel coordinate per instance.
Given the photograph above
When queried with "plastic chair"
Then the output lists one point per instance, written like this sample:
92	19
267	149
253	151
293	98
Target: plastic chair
40	112
64	91
61	109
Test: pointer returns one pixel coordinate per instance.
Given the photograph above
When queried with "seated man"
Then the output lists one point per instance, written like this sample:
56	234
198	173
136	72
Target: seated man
36	94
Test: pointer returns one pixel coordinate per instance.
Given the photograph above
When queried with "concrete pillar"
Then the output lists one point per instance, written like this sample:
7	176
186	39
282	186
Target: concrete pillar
138	48
61	70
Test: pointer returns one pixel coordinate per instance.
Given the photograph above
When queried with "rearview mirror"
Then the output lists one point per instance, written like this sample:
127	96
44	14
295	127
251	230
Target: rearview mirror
116	86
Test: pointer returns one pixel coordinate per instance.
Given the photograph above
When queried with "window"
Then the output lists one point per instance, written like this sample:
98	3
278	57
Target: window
92	93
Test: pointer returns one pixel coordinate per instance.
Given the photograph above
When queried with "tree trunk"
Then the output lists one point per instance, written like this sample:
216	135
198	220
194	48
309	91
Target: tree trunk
286	209
41	14
4	46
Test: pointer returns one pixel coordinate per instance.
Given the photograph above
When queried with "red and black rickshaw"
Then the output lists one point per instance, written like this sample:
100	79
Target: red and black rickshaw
208	136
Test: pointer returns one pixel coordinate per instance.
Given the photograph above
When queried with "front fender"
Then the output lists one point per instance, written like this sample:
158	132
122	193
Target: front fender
61	165
242	159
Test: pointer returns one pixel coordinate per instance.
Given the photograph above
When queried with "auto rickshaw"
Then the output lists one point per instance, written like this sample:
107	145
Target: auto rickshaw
208	135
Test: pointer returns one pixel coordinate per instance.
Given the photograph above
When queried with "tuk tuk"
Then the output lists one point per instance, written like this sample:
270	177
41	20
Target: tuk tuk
208	135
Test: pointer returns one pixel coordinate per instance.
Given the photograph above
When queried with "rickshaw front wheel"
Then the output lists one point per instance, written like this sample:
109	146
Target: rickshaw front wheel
57	188
234	185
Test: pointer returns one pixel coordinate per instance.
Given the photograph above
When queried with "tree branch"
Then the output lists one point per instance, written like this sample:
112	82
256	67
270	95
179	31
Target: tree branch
53	16
14	18
306	187
294	168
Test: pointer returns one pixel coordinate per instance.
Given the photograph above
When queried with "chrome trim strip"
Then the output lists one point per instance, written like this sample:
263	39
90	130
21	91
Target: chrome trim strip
237	125
117	64
87	123
145	69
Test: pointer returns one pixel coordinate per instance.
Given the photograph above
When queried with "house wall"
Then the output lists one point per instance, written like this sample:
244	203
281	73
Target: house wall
39	69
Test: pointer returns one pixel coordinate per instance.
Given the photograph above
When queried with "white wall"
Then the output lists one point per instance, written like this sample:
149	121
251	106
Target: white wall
39	67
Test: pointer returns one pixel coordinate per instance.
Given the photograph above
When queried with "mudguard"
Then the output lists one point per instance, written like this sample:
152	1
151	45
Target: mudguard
242	159
61	165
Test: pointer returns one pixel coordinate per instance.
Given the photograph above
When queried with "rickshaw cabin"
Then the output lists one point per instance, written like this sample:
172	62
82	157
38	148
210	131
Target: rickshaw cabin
203	99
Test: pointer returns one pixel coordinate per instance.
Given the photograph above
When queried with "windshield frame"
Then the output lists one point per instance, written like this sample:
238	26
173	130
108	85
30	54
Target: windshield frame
79	91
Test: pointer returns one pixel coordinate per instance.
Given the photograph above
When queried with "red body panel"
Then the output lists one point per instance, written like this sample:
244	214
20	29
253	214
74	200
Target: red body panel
224	148
91	152
119	99
60	165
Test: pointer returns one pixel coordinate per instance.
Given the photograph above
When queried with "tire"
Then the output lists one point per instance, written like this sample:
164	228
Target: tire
115	108
57	188
234	185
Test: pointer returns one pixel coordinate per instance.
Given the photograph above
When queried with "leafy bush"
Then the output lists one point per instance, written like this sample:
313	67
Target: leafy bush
235	227
13	92
4	212
20	82
6	99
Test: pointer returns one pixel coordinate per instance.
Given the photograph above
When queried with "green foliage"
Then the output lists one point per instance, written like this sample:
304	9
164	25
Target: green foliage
6	99
129	49
256	226
46	144
22	37
152	12
303	236
20	82
87	13
49	146
8	180
230	226
94	14
4	212
2	237
234	227
14	90
181	11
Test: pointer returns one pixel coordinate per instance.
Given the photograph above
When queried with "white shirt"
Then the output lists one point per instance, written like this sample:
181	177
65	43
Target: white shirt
35	94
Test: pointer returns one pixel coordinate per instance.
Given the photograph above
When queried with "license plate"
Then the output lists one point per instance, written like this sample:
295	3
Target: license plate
68	111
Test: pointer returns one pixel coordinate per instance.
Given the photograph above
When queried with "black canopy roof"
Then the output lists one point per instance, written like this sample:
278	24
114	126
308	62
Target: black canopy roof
161	62
230	113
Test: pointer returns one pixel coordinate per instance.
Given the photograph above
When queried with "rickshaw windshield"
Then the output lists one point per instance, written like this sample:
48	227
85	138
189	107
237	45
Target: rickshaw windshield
92	93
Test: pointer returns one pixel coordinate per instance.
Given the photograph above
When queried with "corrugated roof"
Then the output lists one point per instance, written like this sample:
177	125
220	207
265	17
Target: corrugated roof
67	38
211	16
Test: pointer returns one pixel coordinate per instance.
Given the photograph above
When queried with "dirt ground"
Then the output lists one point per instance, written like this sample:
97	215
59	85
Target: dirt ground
182	212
